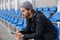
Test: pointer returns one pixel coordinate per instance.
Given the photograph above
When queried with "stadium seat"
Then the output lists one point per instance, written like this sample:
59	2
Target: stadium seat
20	21
15	20
11	19
18	12
53	9
36	9
47	14
46	9
21	24
55	17
40	9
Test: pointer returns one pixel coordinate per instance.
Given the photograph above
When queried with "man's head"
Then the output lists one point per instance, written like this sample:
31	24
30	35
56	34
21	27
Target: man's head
26	9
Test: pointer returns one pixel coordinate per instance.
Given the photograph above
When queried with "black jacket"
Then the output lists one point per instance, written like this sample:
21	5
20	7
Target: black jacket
39	28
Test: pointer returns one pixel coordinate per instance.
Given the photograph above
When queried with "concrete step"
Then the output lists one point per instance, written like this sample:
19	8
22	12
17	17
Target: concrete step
4	34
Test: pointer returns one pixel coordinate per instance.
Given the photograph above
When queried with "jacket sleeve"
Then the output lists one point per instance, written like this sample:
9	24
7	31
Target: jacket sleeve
39	28
27	29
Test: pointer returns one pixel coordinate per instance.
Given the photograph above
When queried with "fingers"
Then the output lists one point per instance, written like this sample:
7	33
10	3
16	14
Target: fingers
18	35
15	35
17	31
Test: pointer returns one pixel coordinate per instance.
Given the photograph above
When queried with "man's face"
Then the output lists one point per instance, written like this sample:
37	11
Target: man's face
25	12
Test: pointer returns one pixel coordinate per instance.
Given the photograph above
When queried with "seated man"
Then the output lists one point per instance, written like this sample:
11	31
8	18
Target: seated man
38	26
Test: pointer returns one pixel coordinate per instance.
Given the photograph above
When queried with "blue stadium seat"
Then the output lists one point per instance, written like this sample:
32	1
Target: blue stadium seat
36	9
40	9
12	11
15	20
47	14
19	13
21	24
12	19
20	21
46	9
53	9
55	17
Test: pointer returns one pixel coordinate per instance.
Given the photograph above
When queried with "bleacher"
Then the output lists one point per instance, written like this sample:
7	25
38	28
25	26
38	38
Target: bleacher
14	18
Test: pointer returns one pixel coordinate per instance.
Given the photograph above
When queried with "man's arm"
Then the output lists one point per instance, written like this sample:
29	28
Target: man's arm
27	29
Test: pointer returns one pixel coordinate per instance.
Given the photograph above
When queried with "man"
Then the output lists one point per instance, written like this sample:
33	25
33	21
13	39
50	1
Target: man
38	26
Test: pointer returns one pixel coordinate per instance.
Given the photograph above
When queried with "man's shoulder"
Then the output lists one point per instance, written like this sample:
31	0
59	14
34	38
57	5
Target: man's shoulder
38	13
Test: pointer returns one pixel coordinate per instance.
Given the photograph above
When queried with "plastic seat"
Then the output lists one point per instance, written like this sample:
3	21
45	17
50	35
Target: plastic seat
53	9
55	17
21	24
12	12
11	19
40	9
15	20
46	9
47	14
36	9
8	15
17	12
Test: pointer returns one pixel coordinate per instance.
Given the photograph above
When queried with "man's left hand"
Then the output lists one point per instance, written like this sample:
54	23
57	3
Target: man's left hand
18	35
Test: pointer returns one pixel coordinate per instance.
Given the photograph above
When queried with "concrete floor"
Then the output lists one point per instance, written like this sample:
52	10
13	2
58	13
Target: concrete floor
4	34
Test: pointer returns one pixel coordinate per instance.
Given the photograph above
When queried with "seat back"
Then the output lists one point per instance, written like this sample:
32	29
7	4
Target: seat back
40	9
56	16
53	9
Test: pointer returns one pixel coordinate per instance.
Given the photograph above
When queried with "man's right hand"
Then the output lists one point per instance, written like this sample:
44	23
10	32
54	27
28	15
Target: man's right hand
18	35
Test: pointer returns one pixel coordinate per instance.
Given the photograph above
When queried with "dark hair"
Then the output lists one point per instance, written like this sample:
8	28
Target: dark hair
32	10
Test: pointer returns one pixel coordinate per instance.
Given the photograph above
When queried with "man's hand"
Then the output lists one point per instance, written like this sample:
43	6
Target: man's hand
18	35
